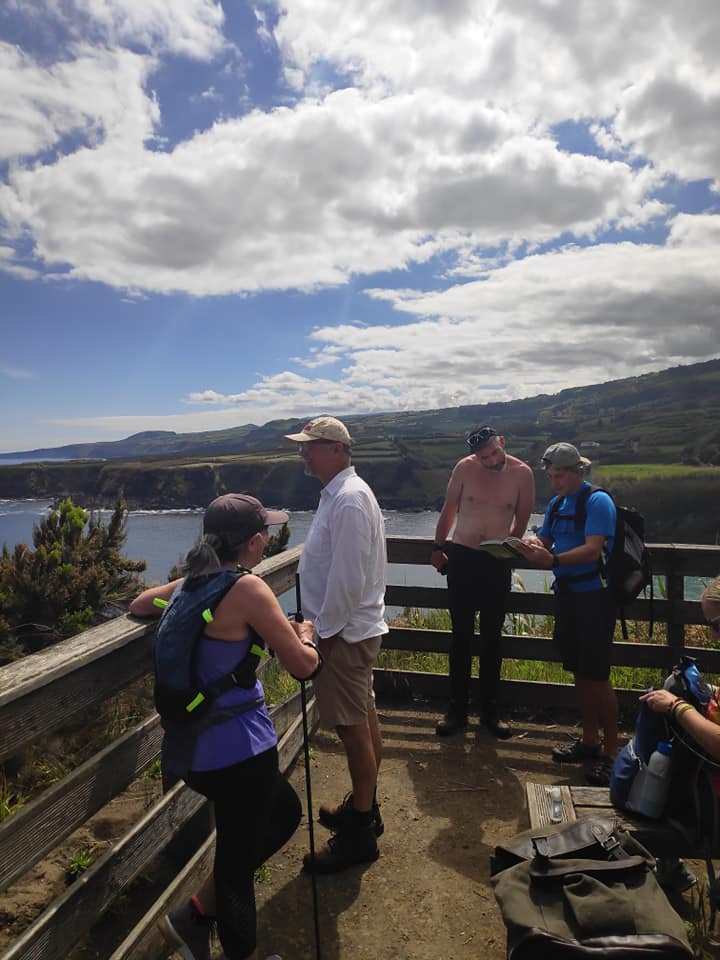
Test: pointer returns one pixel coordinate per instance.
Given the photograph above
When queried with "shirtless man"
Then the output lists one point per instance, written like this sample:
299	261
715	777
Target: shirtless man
490	494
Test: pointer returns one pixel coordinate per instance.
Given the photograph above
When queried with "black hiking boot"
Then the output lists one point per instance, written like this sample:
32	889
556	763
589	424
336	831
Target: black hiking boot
453	721
576	752
333	817
496	725
354	843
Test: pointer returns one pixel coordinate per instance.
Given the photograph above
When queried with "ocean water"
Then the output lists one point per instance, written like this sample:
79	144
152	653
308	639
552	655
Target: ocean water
163	537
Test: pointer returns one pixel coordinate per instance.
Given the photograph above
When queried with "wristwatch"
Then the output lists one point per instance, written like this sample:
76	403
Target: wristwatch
436	546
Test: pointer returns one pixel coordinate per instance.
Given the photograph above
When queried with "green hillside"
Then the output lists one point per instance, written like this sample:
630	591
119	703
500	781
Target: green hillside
654	442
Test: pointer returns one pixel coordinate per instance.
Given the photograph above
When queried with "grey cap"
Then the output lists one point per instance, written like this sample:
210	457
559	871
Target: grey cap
563	455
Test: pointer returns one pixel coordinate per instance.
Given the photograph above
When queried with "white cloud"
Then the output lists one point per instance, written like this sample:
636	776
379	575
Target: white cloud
553	320
443	145
190	28
15	373
96	94
306	197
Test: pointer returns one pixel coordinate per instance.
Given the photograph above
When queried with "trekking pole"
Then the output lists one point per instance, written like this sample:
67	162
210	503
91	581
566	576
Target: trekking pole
308	786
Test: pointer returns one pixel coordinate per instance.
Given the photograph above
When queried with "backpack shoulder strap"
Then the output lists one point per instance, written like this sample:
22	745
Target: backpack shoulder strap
581	504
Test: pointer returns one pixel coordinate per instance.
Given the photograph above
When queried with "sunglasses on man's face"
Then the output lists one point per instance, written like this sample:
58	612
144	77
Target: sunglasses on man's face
714	624
481	437
315	443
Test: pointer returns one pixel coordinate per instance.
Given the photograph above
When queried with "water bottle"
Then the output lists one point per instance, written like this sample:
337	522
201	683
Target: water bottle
656	782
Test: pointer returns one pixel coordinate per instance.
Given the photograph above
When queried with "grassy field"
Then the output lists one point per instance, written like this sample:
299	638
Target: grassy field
650	471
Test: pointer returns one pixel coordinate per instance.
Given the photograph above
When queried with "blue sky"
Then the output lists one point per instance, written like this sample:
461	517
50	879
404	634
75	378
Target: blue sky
214	214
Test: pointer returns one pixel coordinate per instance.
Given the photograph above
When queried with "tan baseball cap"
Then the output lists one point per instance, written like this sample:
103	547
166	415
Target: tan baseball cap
321	428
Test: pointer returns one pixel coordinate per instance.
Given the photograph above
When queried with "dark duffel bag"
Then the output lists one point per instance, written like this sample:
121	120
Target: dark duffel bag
584	890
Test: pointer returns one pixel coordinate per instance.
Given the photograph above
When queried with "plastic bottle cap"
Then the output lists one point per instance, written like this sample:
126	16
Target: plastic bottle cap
664	747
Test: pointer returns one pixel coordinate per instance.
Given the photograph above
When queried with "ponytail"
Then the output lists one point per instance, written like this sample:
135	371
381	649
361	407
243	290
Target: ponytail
203	557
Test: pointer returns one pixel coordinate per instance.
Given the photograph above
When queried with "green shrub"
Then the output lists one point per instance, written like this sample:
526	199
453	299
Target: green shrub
62	584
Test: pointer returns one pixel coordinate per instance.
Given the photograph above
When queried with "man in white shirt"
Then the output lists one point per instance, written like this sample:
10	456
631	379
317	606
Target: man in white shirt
342	576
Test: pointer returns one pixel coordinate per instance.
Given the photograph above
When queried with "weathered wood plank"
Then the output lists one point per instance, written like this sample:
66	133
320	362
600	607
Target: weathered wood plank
39	826
65	921
543	649
38	670
144	939
510	692
279	571
659	837
538	803
45	708
691	560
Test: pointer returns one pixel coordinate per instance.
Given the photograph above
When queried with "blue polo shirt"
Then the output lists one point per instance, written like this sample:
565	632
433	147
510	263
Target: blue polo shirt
599	521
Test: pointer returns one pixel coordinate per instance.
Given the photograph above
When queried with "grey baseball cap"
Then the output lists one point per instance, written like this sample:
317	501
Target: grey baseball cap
563	455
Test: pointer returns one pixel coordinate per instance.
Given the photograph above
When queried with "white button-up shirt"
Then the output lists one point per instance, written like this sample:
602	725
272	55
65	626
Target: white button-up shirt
342	566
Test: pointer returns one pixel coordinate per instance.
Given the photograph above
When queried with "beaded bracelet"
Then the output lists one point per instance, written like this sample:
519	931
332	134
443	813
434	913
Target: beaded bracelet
679	708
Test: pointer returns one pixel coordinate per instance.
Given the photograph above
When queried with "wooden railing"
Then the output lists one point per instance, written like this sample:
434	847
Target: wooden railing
41	693
669	610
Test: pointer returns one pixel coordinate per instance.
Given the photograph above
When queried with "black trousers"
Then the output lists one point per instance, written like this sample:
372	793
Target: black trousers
256	813
476	582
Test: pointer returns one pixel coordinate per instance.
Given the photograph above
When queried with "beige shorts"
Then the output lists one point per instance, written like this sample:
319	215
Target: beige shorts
344	686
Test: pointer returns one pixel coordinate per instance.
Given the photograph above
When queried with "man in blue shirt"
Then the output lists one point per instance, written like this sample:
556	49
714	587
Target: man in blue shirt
584	608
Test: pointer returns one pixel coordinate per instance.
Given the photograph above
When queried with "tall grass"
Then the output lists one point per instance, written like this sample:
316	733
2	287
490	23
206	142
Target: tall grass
540	671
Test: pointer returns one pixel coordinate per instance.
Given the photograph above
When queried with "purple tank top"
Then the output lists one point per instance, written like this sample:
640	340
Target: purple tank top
237	738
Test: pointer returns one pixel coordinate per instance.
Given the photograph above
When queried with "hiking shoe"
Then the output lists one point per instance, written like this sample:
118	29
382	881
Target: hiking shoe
332	817
188	931
674	875
598	771
496	726
452	722
354	843
575	752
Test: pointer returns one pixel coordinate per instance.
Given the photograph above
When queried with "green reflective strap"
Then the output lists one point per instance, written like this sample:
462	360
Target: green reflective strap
259	651
207	615
159	602
195	702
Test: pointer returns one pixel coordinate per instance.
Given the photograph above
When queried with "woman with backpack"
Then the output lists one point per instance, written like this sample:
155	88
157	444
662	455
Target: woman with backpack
705	732
216	622
673	872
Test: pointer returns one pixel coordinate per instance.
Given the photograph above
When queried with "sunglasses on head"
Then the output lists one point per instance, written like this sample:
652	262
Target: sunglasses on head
480	437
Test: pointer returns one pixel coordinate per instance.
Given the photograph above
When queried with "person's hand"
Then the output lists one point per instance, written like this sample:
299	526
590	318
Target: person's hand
533	541
534	551
660	701
304	630
438	558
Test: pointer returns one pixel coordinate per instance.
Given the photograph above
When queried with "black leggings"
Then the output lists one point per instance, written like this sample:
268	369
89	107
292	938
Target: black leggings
476	581
256	813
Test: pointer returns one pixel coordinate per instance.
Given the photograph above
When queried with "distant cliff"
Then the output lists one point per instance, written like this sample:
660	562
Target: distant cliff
681	508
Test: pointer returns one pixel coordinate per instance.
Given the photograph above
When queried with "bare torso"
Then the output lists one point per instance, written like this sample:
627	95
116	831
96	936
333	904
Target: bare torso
488	499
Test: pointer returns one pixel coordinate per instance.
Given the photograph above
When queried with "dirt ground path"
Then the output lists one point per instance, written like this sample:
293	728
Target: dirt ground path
445	803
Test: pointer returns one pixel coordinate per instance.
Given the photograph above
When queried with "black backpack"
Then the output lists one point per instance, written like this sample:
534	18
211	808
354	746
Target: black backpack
626	568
